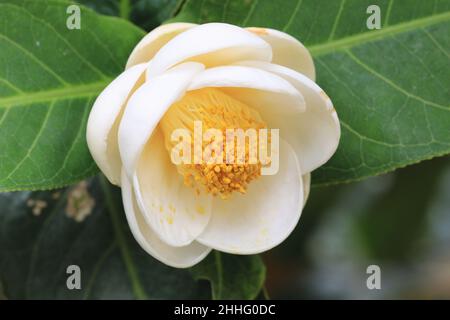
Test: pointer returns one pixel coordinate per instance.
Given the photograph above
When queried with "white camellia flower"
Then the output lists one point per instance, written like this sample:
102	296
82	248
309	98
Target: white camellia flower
214	73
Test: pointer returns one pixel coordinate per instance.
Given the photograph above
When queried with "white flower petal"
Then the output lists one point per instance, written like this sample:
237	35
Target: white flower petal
104	118
174	211
211	44
146	108
314	134
264	216
288	51
155	40
178	257
267	93
306	187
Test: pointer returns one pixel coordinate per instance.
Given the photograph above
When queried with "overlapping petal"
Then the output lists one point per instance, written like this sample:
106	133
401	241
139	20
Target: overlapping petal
105	117
147	106
176	213
266	92
178	257
287	51
264	216
306	187
145	50
314	134
212	44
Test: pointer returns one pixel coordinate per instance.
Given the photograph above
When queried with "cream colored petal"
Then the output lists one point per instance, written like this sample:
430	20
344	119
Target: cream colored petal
262	90
287	51
155	40
306	187
178	257
104	119
211	44
147	106
314	134
174	211
264	216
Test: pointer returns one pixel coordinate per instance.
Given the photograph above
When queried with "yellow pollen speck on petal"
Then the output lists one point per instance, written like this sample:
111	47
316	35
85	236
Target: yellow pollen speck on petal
169	220
161	209
200	209
264	232
221	113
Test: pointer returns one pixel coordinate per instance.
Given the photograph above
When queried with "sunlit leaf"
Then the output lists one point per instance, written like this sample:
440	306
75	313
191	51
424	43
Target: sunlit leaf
49	78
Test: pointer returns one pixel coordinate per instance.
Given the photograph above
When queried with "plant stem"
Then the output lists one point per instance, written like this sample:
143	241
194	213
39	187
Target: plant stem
138	290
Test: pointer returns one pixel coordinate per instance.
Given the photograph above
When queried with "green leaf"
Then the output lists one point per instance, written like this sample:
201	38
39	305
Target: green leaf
390	87
49	78
245	281
42	233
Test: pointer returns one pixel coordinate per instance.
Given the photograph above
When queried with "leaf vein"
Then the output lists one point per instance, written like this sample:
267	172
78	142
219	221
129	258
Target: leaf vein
74	141
58	34
250	13
336	21
35	59
34	143
294	13
394	85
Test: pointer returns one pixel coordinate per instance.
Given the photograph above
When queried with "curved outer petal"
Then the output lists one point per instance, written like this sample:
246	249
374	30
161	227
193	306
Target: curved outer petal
146	108
267	93
314	134
211	44
306	187
182	257
264	216
101	133
174	211
155	40
288	51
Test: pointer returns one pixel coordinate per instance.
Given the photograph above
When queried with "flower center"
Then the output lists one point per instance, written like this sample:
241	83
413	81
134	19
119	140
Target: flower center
220	165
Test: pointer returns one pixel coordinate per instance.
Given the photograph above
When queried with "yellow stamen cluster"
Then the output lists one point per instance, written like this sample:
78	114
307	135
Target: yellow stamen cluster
215	110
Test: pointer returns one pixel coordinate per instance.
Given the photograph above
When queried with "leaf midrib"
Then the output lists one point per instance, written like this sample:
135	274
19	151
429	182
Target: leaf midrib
316	50
335	45
64	93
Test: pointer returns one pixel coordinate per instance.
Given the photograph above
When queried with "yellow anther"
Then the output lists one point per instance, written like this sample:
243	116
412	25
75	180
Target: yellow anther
215	110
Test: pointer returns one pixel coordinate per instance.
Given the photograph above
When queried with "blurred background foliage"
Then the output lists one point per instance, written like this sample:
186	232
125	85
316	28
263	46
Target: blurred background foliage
399	221
148	14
